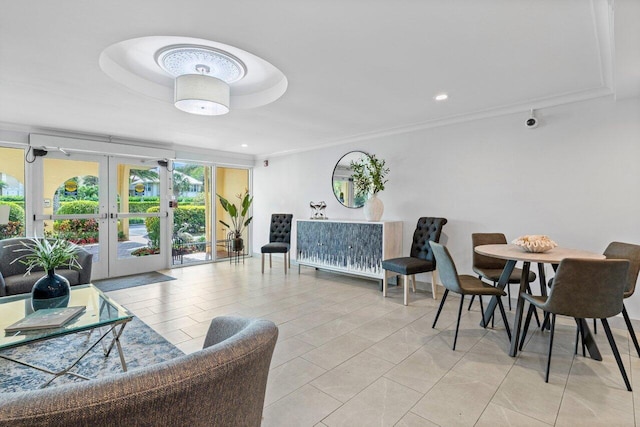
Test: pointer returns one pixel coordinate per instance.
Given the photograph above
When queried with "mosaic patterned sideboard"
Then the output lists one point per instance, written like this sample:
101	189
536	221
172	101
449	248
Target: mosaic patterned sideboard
353	247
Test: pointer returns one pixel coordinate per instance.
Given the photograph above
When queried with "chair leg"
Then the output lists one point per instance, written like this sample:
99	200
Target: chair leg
504	318
595	327
525	329
405	282
630	329
289	257
434	284
455	338
285	263
413	283
385	283
270	263
262	263
553	327
444	297
471	302
508	295
481	310
616	353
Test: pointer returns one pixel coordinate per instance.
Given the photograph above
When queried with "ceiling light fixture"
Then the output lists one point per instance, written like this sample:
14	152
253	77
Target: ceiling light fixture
441	97
202	77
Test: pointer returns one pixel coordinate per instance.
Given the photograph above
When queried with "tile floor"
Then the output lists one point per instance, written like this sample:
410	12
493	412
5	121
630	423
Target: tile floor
347	357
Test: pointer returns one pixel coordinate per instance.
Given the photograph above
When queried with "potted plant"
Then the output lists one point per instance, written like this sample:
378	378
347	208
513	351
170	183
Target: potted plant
239	220
368	176
51	290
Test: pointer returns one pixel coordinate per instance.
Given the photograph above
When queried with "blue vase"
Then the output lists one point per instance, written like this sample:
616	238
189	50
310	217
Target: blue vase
50	291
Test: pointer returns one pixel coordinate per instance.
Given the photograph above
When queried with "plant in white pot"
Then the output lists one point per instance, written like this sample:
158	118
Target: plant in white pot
368	176
51	290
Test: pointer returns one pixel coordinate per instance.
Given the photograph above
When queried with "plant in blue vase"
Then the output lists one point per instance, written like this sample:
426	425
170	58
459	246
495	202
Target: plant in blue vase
52	290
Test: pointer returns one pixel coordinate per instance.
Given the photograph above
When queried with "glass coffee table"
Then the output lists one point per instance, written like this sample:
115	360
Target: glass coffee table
102	313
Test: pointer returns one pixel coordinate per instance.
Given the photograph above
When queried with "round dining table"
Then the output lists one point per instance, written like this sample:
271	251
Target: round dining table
512	254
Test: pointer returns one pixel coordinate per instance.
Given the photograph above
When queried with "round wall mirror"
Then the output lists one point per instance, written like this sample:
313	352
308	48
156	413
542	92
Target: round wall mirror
342	181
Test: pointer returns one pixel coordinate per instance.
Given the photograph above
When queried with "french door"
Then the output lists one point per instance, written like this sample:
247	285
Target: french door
110	206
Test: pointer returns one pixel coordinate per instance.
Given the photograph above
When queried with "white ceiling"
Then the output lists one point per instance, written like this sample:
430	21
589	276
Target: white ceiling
355	67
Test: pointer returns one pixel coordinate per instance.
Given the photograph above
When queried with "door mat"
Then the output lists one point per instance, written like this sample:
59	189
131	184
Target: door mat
141	346
117	283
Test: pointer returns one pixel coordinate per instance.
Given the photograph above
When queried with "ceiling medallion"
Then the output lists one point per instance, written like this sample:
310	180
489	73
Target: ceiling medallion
178	60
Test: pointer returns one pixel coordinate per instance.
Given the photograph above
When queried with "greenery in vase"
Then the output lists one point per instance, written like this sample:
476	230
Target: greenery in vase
369	175
239	221
47	253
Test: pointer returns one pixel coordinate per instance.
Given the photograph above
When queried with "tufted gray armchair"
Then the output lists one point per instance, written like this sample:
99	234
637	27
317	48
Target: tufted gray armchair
222	385
279	239
420	259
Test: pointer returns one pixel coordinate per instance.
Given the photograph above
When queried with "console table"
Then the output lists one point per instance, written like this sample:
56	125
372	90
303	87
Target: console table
351	247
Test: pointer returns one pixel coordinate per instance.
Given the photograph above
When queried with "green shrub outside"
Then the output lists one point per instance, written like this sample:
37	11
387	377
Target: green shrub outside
153	227
15	227
17	200
80	231
138	207
78	207
194	216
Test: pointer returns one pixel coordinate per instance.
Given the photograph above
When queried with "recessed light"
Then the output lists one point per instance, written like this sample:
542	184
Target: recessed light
441	97
244	145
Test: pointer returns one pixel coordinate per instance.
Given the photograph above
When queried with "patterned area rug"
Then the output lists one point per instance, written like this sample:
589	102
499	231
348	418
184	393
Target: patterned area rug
141	345
117	283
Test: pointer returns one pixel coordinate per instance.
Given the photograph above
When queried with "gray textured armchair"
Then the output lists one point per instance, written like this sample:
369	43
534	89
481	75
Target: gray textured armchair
222	385
12	278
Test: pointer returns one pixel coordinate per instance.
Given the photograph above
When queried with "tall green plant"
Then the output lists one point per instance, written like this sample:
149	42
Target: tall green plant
369	175
238	214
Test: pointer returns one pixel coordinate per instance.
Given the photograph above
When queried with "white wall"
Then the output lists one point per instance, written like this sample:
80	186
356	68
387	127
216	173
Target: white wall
574	178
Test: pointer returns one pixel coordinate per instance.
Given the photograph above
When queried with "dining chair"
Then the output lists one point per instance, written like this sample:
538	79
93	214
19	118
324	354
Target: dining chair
420	259
490	268
615	250
463	285
279	239
630	252
586	289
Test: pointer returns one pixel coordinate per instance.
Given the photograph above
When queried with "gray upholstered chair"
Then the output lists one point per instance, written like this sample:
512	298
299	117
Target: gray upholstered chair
279	239
585	289
420	259
463	285
222	385
12	278
489	268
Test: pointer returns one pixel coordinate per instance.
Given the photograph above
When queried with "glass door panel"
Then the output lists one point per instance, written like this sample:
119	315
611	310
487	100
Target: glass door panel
192	233
231	183
138	223
74	205
12	208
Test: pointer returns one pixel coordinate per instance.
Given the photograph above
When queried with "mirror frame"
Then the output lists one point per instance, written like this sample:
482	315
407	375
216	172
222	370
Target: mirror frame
350	190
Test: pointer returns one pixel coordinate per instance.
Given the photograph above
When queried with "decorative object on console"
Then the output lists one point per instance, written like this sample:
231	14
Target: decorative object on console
317	211
535	243
369	175
353	247
51	290
238	218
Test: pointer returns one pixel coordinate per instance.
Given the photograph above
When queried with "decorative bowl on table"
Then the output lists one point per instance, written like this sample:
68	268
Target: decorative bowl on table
535	243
